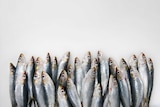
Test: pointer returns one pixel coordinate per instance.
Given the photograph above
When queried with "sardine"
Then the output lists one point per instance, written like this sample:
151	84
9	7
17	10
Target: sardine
104	72
62	78
47	67
12	85
88	87
72	93
63	63
94	63
62	97
70	72
54	69
30	73
125	69
136	87
113	97
123	88
38	89
39	64
49	89
144	72
86	62
21	67
112	66
21	92
79	75
97	96
151	77
133	62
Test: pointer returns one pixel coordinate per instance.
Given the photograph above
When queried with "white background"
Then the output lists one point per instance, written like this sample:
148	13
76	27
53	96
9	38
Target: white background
117	28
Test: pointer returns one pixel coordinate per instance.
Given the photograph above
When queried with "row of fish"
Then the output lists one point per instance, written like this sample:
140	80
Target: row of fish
92	82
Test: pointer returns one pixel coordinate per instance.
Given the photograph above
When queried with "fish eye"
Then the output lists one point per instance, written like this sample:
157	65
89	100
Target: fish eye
35	75
111	62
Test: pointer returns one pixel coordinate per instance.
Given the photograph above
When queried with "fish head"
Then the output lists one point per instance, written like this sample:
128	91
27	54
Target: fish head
70	70
99	55
98	89
12	69
123	64
69	82
24	77
39	63
48	58
87	57
63	76
142	58
133	60
61	92
119	74
37	78
45	77
54	60
21	58
94	62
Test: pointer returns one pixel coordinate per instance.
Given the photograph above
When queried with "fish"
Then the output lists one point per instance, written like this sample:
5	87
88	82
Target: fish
144	73
151	78
88	87
113	97
133	62
62	97
39	64
12	85
20	67
136	87
97	96
38	89
95	63
54	69
125	69
21	90
63	63
49	89
63	78
47	66
123	88
104	72
86	62
79	75
72	94
70	72
112	66
30	73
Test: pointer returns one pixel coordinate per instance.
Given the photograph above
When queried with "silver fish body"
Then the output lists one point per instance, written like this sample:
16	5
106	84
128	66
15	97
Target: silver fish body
72	94
97	96
30	73
144	72
21	92
79	75
12	85
62	97
54	69
88	87
86	62
125	69
49	89
136	87
104	72
151	77
113	97
47	67
38	89
95	64
105	100
123	88
63	63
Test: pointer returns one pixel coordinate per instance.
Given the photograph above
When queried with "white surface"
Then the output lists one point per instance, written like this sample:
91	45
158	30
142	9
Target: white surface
118	29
